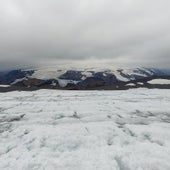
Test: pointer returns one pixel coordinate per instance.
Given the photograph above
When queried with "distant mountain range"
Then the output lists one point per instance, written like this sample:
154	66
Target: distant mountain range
84	79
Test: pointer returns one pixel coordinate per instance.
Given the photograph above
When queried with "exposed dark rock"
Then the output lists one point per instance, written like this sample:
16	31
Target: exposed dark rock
72	75
33	82
91	82
71	86
108	78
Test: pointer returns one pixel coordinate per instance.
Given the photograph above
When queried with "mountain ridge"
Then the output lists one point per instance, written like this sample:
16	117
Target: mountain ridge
83	79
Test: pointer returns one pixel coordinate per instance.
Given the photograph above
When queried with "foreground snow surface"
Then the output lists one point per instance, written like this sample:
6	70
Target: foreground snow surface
85	130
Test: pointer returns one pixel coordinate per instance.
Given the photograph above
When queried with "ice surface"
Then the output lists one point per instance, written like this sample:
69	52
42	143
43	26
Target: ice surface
85	130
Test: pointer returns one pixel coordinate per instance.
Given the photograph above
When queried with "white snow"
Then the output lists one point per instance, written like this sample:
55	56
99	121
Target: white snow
87	74
18	80
159	81
85	130
53	83
140	83
63	82
4	85
119	77
47	73
130	84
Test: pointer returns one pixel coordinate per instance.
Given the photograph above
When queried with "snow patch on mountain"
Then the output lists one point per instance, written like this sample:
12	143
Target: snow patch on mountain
159	81
4	85
46	74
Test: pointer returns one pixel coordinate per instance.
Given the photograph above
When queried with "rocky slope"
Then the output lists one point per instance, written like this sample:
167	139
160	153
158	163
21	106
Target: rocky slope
83	79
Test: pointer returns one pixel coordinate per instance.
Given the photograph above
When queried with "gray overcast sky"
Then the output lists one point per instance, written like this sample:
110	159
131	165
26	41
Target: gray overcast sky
120	31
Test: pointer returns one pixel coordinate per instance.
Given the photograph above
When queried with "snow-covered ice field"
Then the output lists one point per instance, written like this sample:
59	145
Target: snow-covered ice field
85	130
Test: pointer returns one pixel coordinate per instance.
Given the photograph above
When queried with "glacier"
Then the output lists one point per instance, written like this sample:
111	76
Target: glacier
85	130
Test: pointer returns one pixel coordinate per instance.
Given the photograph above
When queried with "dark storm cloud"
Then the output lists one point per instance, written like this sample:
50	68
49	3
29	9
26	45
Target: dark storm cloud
123	31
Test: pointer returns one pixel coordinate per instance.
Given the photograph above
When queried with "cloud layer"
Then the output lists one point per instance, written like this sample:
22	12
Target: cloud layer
121	31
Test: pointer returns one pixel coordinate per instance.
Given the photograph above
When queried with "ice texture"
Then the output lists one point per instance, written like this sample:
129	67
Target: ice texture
85	130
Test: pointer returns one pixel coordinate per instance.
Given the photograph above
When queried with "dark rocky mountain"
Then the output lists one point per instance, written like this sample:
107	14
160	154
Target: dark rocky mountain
87	79
11	76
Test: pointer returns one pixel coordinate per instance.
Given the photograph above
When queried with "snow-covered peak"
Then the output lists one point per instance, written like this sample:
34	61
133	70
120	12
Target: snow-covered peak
121	74
80	78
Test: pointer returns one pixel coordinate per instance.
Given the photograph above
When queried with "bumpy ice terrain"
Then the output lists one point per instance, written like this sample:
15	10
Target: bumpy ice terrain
85	130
